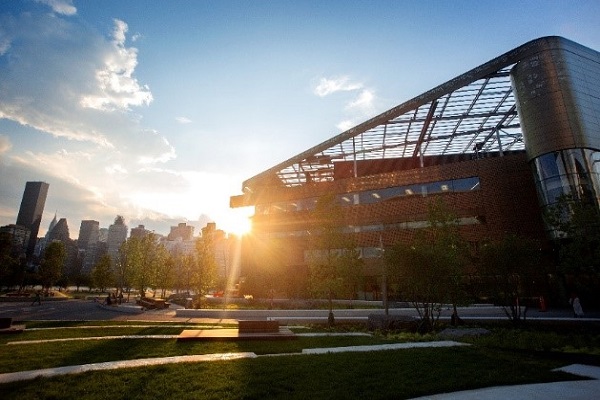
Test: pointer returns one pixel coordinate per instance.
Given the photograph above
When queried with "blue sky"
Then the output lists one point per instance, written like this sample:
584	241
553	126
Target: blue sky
159	110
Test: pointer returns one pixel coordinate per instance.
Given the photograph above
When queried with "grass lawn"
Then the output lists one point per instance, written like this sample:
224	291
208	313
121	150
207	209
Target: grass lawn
376	375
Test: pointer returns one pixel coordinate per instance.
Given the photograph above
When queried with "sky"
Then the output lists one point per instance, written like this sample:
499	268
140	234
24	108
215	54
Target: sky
159	110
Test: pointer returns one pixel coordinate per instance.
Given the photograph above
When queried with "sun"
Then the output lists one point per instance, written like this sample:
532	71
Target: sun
238	221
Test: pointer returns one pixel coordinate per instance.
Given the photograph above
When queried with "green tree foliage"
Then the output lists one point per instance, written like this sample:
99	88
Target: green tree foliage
511	266
53	261
165	273
204	273
9	261
577	229
428	271
139	262
102	273
184	271
334	265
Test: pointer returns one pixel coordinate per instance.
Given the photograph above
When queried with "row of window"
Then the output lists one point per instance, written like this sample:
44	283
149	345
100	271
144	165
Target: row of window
377	227
375	196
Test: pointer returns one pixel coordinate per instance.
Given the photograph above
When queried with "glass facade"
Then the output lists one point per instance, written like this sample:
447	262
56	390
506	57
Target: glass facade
573	172
376	196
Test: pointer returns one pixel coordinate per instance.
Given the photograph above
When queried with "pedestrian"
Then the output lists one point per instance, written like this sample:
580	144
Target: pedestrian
576	304
37	298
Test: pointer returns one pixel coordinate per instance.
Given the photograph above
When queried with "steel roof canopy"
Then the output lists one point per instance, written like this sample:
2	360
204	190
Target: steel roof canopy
473	112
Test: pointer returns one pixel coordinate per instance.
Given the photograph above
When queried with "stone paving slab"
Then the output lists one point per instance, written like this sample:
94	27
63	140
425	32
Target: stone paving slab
145	362
233	334
381	347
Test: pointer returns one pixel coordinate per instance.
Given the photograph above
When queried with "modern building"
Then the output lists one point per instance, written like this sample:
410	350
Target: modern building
117	234
31	210
498	144
87	243
60	232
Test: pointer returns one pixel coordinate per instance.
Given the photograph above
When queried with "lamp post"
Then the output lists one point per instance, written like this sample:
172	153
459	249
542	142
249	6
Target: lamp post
384	291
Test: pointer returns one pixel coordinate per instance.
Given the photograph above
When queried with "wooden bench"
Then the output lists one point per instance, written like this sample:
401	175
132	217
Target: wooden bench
150	303
6	326
258	326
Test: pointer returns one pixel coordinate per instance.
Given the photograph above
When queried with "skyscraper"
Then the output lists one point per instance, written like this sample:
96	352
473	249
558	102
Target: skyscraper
32	208
117	234
88	243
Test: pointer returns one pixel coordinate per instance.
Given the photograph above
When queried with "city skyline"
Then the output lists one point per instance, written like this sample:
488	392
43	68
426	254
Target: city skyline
159	112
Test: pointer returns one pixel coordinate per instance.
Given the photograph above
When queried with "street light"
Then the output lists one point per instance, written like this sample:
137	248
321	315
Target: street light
384	293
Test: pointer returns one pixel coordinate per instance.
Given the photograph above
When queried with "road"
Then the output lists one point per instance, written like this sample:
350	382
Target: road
78	310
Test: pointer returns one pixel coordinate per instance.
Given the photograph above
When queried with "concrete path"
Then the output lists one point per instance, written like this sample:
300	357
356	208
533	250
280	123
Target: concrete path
580	390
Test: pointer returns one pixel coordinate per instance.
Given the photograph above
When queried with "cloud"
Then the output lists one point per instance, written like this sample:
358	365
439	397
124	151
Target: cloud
116	86
64	7
183	120
363	103
345	125
329	86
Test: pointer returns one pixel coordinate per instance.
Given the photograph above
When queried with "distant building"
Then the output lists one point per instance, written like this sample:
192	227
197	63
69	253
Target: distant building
51	226
103	235
19	236
139	232
221	248
31	210
89	235
117	234
60	232
183	231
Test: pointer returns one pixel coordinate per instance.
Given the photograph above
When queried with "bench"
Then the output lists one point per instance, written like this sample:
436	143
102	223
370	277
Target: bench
152	304
6	326
258	326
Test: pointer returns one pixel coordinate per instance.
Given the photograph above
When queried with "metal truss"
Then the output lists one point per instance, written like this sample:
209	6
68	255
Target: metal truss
473	113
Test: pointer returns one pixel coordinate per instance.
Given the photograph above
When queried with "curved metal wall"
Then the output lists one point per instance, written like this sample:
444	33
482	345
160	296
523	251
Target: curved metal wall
558	100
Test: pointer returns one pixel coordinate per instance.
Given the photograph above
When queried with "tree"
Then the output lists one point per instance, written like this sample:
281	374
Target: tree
9	260
52	264
102	273
140	259
165	272
205	272
334	264
511	266
576	226
429	270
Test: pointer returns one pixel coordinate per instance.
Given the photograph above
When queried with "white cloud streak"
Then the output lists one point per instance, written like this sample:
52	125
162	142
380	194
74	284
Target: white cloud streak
329	86
183	120
64	7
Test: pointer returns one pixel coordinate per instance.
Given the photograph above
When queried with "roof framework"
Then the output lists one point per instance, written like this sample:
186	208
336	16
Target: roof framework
474	112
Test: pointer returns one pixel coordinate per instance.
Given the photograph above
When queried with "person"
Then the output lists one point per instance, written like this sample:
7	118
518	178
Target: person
576	303
37	299
108	300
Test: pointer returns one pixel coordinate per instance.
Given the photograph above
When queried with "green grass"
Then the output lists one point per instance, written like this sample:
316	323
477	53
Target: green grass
507	356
